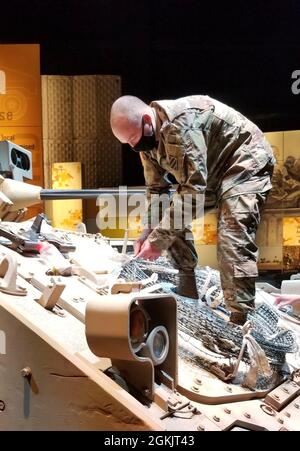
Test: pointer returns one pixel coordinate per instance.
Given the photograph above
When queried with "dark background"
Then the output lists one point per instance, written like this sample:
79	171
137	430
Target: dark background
242	53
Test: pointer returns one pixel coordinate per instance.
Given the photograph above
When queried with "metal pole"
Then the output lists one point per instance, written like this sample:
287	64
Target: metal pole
55	194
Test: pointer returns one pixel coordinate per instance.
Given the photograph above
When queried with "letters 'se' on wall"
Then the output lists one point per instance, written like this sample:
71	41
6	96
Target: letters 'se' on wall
21	104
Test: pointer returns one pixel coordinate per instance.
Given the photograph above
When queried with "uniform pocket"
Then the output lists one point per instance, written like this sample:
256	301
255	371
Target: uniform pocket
245	269
175	157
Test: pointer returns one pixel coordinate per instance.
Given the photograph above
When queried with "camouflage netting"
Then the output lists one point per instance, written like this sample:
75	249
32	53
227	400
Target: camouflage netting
200	321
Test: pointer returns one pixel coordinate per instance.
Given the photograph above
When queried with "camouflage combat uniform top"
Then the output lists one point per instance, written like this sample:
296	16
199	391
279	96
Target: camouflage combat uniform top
210	148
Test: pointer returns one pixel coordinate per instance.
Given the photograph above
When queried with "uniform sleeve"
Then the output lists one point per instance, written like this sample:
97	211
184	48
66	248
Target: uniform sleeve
157	184
187	155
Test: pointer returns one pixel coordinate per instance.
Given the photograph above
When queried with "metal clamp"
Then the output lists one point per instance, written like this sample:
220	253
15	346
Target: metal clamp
51	295
8	270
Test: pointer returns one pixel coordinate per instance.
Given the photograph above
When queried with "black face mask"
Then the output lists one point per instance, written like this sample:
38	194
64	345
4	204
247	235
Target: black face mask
146	143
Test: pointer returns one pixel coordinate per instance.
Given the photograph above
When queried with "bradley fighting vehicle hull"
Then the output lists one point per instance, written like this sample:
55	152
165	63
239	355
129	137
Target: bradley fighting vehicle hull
91	339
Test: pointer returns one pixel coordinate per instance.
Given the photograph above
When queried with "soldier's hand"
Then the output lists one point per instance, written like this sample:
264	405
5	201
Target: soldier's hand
288	299
149	251
138	244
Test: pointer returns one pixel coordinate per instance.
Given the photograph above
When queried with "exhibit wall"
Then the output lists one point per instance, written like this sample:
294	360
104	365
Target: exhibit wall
20	103
76	127
279	232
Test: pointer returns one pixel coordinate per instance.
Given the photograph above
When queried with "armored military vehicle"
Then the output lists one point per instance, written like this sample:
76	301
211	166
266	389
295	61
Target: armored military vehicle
93	339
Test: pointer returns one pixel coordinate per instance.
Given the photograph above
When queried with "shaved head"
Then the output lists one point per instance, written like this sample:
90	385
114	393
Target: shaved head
126	118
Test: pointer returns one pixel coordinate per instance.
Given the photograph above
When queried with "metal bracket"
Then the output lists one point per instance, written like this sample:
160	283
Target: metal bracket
51	295
282	395
8	270
35	230
126	287
177	404
81	228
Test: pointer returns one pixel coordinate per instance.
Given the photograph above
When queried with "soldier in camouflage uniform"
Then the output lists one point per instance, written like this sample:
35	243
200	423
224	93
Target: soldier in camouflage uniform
210	149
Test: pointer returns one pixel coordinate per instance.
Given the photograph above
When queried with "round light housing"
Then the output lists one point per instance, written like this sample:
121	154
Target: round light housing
157	345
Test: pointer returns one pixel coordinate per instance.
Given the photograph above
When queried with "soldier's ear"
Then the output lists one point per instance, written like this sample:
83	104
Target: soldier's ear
147	119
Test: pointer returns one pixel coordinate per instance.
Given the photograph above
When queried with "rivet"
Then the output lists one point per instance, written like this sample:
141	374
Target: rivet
198	381
268	410
287	414
276	396
229	389
285	390
21	287
217	419
2	406
227	411
296	405
195	387
200	428
247	415
280	420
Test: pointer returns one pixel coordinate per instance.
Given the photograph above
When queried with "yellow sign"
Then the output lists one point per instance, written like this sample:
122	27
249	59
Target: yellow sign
291	231
20	86
65	214
20	101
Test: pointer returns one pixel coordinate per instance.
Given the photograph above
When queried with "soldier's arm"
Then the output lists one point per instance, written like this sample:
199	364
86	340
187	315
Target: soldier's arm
186	148
157	184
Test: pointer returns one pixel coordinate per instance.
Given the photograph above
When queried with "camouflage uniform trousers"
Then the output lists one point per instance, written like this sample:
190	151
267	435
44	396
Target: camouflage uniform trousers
238	220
